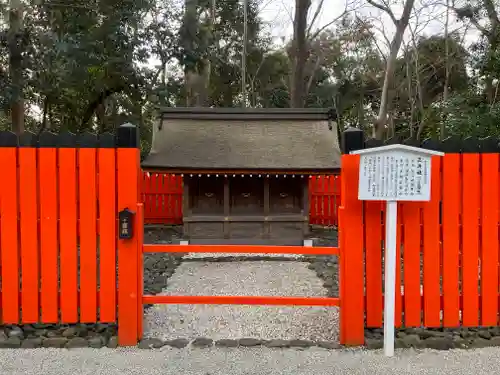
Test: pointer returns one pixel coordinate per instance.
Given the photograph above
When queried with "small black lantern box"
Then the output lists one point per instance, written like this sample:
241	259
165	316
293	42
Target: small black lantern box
126	224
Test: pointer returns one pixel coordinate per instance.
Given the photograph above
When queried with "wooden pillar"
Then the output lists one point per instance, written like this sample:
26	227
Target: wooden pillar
267	208
352	305
305	204
227	207
186	206
128	171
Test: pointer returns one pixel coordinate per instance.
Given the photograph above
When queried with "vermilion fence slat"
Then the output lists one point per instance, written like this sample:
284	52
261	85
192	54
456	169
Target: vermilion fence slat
470	239
107	234
158	197
489	240
47	167
140	269
373	257
352	255
127	170
432	283
153	198
68	234
88	235
169	202
149	201
163	197
313	211
451	239
411	263
336	192
28	205
9	238
324	201
144	194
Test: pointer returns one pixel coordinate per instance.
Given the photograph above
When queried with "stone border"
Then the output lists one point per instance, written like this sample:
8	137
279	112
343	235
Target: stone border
436	338
203	343
30	336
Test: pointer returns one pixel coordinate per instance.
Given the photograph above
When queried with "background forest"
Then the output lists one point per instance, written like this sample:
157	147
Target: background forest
406	67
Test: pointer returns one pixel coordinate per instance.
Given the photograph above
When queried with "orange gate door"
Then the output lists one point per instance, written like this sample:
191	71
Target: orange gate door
226	300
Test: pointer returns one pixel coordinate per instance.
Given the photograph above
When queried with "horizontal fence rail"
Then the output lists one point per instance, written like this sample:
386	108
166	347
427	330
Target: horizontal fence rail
241	249
161	194
242	300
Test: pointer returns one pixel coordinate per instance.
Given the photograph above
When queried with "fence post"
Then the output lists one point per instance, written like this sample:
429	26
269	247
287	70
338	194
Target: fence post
128	172
352	268
8	227
139	223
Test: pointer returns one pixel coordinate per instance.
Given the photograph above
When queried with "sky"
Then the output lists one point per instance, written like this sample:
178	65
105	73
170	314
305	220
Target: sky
428	17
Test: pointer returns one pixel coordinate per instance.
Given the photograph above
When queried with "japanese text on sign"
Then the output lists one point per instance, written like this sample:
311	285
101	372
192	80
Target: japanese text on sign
394	175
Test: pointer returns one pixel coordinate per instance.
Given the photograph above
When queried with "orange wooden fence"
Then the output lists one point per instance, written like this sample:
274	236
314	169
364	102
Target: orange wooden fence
58	231
161	194
59	249
448	249
324	200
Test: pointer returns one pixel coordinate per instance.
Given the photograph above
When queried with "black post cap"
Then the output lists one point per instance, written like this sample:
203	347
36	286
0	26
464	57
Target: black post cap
127	136
353	139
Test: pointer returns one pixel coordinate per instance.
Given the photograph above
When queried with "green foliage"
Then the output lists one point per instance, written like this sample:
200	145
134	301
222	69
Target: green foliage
467	114
94	66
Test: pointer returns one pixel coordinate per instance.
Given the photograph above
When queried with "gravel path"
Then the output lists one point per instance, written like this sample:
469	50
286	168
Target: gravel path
245	362
289	278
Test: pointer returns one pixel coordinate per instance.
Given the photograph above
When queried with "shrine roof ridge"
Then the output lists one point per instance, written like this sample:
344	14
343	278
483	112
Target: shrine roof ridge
228	114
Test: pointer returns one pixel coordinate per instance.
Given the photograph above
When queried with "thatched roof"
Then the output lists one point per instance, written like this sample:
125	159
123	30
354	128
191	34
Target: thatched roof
237	139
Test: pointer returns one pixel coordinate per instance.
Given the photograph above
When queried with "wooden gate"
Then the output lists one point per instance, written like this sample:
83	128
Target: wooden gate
130	320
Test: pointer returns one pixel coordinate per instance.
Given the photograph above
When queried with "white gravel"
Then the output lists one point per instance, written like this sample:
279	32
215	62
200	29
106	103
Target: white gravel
247	278
239	361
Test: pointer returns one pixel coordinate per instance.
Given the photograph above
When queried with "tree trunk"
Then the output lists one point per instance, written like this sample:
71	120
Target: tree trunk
203	85
493	47
442	128
190	30
494	41
411	98
299	54
15	65
401	25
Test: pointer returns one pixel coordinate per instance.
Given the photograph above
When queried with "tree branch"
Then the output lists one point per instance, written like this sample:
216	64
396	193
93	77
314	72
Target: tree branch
315	17
89	112
385	9
492	13
322	28
472	20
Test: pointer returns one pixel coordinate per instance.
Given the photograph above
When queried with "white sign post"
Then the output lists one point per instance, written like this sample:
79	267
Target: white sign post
393	173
